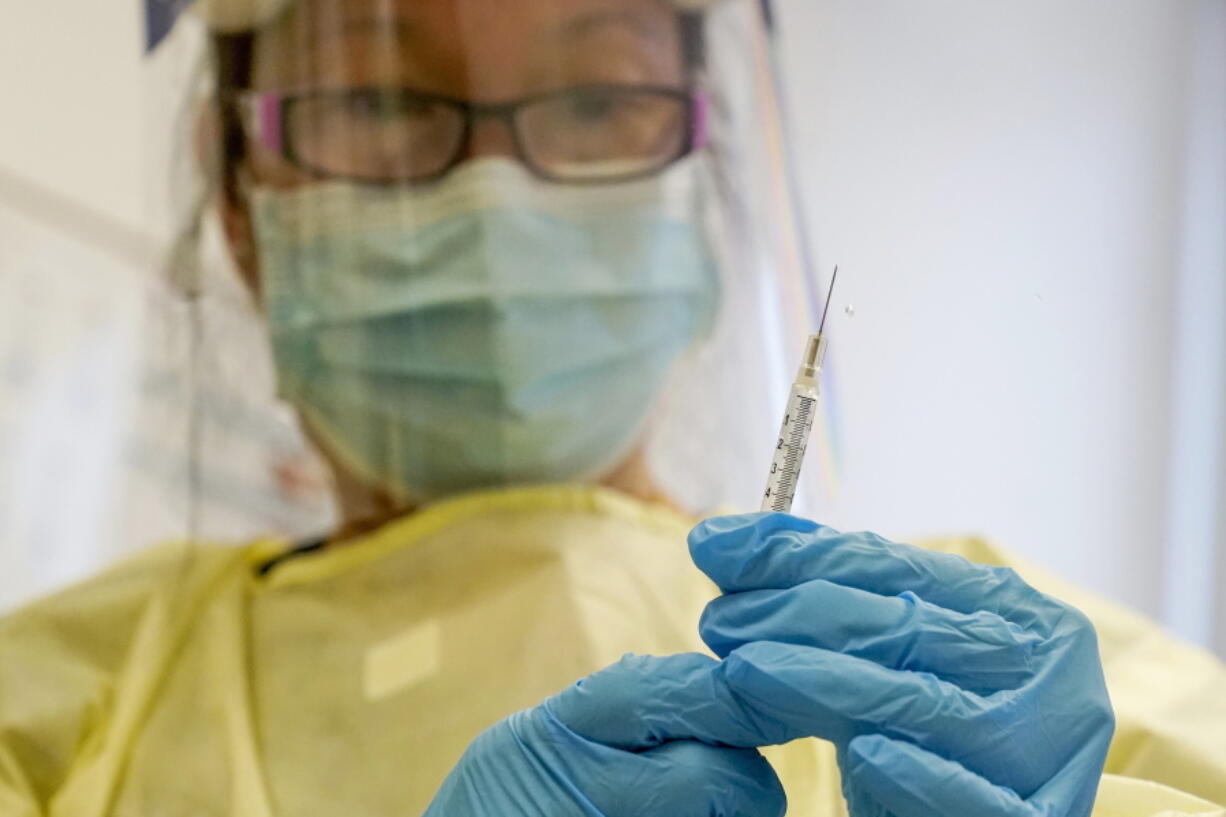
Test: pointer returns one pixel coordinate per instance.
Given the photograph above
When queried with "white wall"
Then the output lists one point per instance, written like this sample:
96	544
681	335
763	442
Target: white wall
70	96
1001	184
1195	604
71	251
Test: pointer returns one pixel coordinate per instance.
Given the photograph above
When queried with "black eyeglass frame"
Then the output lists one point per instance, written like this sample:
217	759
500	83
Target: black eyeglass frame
269	110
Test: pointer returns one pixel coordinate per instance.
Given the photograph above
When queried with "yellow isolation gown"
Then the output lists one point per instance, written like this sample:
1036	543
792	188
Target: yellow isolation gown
349	680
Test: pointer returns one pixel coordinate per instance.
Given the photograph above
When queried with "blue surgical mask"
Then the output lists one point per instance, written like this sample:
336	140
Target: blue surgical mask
489	329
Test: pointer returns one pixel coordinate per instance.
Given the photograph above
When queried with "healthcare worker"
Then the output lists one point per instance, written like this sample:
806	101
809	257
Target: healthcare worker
502	250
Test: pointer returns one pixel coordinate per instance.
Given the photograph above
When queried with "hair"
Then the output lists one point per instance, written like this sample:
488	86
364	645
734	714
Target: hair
231	59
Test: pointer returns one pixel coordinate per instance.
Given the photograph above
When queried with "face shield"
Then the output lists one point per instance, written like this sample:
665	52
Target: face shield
489	244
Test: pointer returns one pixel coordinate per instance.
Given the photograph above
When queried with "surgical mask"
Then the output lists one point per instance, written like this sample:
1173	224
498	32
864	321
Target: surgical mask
489	329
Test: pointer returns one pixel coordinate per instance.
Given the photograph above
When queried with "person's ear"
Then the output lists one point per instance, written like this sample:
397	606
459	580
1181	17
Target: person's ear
211	143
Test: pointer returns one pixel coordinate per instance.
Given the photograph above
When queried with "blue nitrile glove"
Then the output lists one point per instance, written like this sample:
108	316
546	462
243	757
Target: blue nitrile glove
948	688
646	737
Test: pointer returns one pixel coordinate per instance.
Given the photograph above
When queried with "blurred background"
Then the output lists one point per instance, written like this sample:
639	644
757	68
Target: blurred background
1027	200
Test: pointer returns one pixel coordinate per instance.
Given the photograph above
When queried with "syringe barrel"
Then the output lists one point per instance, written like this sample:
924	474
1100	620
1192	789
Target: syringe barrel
790	448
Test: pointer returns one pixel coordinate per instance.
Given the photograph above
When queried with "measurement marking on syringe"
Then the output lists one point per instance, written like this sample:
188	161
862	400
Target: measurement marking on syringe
789	452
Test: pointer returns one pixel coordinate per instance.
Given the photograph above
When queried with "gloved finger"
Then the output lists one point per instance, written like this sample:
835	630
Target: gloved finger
686	778
762	694
532	763
645	701
774	551
812	692
859	802
979	651
912	782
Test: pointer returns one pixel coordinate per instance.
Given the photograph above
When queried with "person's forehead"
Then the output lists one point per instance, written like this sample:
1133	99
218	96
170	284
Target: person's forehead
231	16
544	20
501	46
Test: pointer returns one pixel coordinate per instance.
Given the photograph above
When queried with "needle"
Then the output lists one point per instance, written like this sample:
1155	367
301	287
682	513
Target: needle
834	277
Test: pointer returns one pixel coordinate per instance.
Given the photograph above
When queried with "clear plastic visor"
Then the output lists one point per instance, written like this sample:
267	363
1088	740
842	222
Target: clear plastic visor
496	243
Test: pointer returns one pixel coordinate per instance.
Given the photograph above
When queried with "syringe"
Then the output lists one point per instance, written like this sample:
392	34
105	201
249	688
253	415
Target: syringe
797	420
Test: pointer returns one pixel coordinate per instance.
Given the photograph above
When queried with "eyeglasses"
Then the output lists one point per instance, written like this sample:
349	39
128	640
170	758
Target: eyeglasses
589	134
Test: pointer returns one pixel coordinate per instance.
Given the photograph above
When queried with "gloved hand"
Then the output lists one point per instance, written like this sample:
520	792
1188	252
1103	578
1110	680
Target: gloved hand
948	688
621	743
